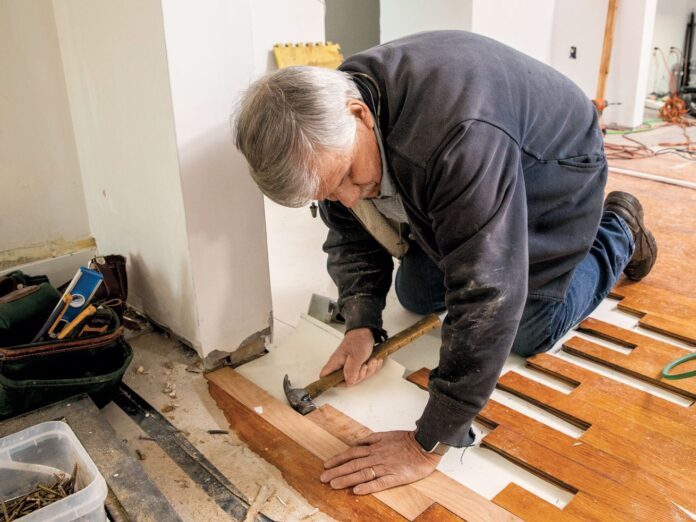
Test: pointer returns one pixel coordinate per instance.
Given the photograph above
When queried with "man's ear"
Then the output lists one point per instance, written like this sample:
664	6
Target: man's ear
360	110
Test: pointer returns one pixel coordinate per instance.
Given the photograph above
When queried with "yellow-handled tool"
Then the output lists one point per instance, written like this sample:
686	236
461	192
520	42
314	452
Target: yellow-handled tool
67	299
90	310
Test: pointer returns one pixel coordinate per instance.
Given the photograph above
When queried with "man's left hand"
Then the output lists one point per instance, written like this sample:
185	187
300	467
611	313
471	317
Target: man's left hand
380	461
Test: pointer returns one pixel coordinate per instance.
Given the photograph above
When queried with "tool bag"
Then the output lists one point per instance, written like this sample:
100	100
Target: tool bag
25	302
36	374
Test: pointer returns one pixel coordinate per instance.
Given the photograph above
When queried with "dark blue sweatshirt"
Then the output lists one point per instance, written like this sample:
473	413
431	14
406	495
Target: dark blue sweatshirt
499	162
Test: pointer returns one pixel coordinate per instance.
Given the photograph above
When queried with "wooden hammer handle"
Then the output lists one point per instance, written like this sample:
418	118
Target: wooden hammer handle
381	351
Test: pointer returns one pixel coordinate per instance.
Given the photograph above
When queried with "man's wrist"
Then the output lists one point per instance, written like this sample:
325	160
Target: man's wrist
377	335
359	332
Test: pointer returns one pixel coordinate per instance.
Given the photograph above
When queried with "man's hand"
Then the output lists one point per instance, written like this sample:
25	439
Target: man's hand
351	355
380	461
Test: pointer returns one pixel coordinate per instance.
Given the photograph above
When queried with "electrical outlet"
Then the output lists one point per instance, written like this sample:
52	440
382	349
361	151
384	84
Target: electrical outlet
573	53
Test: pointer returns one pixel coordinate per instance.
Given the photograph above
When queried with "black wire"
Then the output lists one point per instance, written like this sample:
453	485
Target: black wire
689	155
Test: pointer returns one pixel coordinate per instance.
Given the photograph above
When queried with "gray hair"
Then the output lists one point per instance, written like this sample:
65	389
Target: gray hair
285	120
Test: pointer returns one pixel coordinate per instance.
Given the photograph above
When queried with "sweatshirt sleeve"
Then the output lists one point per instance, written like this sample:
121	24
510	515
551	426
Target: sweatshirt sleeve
360	267
478	209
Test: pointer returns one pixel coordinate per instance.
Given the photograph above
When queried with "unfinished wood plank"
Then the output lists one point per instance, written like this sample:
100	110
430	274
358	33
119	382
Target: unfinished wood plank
339	424
403	499
438	486
298	466
646	360
436	513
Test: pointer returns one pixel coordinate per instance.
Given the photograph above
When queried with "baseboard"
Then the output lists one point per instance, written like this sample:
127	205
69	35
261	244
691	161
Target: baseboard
59	269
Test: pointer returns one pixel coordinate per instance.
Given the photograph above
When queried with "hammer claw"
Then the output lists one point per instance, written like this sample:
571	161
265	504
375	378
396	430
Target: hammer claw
298	398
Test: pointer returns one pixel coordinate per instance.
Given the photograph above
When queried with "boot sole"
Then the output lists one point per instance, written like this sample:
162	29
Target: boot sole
631	272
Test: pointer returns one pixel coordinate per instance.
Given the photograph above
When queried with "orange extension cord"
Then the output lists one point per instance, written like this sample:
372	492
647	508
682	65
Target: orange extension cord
673	110
685	149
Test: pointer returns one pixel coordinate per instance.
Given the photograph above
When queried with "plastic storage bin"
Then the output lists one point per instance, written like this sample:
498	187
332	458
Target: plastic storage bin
33	455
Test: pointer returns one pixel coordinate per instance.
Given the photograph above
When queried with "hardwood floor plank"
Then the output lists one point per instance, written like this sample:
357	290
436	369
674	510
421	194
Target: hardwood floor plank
439	487
669	213
620	395
664	460
299	467
645	362
420	378
527	505
626	472
679	330
534	456
436	513
404	499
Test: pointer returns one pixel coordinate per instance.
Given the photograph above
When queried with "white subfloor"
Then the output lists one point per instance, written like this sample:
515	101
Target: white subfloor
301	346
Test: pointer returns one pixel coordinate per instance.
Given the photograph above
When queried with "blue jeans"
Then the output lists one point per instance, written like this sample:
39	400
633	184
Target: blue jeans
420	288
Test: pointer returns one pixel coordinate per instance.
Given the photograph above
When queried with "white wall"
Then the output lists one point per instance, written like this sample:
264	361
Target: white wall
581	24
152	86
118	85
41	199
403	17
281	21
670	28
545	30
214	49
525	25
354	25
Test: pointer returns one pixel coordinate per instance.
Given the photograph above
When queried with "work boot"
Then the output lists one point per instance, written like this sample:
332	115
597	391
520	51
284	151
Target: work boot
628	208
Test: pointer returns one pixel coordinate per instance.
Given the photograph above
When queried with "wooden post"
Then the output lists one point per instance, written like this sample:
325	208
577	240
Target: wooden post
599	101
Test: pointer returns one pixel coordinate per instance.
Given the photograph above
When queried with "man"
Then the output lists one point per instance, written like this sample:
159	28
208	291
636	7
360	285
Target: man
483	170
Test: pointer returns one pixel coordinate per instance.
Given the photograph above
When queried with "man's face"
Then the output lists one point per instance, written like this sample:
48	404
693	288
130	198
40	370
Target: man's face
356	175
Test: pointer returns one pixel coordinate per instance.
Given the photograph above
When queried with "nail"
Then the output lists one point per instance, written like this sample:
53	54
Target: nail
323	477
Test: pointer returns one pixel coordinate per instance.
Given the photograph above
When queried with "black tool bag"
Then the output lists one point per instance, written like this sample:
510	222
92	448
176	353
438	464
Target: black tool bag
36	374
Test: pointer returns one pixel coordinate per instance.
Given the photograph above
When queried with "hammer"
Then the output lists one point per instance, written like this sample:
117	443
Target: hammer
301	399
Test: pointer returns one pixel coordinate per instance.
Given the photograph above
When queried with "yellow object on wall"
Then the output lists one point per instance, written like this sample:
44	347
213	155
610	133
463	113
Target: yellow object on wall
317	54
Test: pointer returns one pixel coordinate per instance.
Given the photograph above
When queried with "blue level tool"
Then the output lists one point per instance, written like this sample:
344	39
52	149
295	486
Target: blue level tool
75	299
82	288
